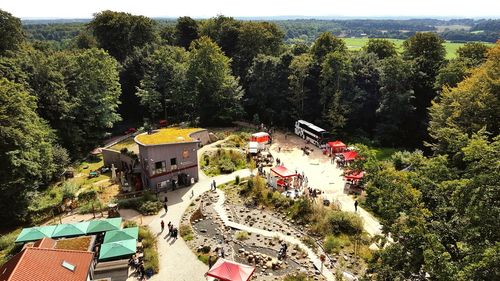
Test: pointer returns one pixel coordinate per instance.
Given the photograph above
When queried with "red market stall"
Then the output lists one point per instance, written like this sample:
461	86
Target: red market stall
336	146
225	270
260	137
354	175
281	176
350	155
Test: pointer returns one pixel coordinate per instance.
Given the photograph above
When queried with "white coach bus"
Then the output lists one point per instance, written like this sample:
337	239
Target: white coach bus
312	133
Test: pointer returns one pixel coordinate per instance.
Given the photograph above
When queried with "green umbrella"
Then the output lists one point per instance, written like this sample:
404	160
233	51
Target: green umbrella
35	233
117	249
104	225
119	235
71	229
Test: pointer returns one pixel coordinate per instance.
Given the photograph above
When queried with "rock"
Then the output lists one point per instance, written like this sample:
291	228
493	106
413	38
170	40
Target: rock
241	250
203	230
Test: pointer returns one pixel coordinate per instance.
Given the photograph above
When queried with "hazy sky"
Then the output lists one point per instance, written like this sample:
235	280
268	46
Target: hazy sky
248	8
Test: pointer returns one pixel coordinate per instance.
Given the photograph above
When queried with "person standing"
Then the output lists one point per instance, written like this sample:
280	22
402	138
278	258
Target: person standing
215	185
356	206
210	262
162	224
165	206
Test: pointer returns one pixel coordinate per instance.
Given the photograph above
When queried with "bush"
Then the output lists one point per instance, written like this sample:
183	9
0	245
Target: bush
128	224
309	242
241	235
301	209
237	180
69	190
87	195
344	222
186	232
222	161
147	204
92	206
149	243
333	244
150	207
205	249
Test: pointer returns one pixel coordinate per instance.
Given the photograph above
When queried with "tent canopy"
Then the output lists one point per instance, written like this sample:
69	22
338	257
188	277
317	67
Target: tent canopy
354	175
71	229
120	235
35	233
225	270
117	249
350	155
104	225
283	172
336	146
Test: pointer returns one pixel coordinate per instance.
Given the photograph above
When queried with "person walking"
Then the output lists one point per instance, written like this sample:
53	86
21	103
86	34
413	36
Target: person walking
162	224
165	206
192	193
356	206
210	263
215	185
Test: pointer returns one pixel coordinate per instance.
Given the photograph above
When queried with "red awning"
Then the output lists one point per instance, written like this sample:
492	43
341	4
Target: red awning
225	270
350	155
353	175
336	144
283	172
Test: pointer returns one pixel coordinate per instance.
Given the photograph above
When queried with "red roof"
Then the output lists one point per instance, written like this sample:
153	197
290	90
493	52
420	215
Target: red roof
47	265
225	270
45	242
350	155
283	172
336	144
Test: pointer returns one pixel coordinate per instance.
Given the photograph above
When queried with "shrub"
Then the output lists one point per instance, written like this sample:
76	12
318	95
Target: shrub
186	232
150	207
301	209
91	206
309	242
69	190
128	224
333	244
149	243
205	249
87	195
344	222
241	235
147	204
237	180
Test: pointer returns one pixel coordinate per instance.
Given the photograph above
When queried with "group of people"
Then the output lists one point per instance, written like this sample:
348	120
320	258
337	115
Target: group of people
138	266
341	162
313	192
172	230
282	251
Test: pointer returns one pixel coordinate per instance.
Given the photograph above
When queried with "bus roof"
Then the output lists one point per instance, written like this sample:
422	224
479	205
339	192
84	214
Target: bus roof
312	126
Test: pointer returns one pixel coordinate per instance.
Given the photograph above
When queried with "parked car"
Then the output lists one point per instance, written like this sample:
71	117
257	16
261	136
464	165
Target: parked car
293	193
130	131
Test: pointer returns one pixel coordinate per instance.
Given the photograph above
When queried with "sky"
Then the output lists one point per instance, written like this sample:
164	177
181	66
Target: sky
255	8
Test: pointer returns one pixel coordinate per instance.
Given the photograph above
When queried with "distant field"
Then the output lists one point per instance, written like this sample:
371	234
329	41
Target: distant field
358	43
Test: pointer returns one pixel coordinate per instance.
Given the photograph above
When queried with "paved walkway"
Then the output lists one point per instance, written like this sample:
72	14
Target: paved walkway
177	261
221	211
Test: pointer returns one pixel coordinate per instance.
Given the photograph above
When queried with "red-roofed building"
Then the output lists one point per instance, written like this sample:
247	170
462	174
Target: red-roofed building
46	243
43	264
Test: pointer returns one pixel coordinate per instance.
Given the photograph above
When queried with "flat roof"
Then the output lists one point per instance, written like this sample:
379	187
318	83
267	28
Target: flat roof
167	136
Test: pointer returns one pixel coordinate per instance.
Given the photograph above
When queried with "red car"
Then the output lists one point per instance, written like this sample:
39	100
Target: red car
130	131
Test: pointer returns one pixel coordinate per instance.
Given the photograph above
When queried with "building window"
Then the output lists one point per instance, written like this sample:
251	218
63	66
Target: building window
185	154
173	161
160	167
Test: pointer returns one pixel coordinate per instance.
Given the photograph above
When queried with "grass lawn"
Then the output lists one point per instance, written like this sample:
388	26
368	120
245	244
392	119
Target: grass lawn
129	144
358	43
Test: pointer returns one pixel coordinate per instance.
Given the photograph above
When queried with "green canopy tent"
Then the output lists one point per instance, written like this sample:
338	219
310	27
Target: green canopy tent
117	249
120	235
71	229
35	233
104	225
